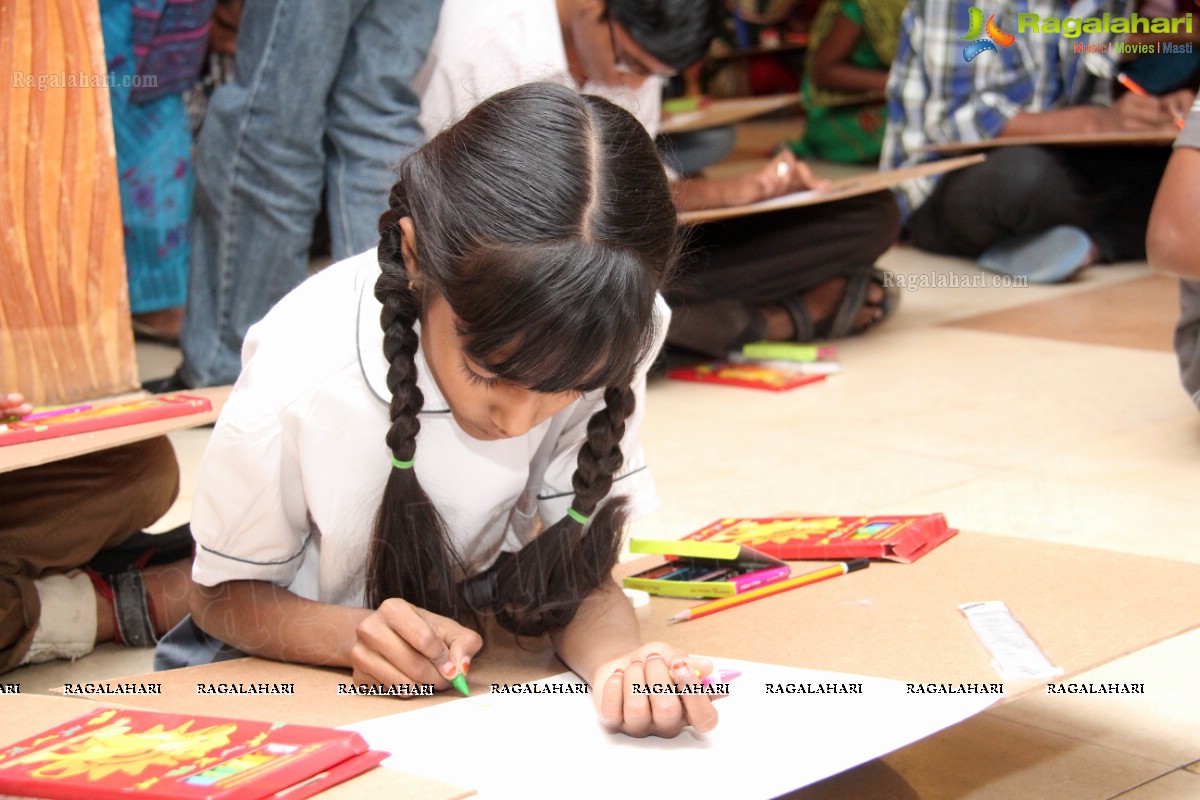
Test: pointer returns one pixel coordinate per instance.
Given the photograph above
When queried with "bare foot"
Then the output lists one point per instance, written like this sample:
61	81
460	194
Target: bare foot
822	302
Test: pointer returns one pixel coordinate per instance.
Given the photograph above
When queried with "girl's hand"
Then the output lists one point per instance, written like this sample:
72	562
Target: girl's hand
784	174
402	644
13	405
654	664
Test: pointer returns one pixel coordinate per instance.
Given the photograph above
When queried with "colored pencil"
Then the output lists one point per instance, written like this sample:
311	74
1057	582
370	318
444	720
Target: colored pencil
704	609
1135	87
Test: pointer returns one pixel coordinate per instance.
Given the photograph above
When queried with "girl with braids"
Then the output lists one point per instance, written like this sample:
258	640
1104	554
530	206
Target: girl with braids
446	430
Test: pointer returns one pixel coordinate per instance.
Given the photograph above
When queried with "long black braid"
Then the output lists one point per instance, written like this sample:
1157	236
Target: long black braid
560	232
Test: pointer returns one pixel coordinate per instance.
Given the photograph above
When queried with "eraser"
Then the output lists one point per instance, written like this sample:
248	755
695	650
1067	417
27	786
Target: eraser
637	598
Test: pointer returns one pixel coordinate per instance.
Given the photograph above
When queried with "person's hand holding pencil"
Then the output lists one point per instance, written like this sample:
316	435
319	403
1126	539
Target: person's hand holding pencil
624	705
400	643
1140	110
13	406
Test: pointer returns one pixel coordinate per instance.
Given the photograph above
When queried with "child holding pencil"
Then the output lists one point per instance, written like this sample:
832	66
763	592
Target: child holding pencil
1033	211
447	430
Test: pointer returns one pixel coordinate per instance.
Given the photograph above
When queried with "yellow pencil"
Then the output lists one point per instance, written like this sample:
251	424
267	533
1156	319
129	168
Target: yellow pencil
704	609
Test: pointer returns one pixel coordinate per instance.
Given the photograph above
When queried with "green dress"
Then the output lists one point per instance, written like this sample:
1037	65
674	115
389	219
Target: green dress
836	127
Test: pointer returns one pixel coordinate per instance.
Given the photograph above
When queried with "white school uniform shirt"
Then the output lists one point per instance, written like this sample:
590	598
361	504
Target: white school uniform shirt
295	469
481	48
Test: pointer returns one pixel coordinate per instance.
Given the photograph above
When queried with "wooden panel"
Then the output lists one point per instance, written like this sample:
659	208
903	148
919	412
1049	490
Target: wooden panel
64	312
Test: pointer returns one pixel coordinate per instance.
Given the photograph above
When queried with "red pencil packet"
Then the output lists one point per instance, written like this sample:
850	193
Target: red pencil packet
894	538
753	376
113	752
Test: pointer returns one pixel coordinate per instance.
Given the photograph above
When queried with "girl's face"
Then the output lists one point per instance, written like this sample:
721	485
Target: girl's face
484	406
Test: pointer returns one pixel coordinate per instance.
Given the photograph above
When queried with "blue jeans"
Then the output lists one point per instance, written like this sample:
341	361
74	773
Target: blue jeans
690	152
321	98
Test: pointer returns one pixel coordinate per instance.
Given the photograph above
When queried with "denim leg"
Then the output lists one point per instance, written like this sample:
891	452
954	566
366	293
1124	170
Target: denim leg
186	645
372	116
259	170
691	152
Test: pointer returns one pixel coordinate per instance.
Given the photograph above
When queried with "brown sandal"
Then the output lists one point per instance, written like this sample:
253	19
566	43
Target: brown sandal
843	322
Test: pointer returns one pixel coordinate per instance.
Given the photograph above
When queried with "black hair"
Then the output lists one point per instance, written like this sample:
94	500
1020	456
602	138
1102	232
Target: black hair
676	32
545	220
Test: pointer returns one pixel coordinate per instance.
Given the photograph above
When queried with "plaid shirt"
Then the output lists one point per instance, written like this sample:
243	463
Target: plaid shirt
935	96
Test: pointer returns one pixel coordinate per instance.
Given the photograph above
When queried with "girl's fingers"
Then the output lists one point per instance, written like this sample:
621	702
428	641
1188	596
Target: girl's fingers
406	640
612	701
806	179
400	639
698	664
664	705
786	174
374	667
461	642
14	405
359	675
697	709
638	720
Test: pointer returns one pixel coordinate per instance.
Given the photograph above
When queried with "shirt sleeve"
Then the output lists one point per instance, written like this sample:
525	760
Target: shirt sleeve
969	101
936	96
1190	137
1187	338
249	516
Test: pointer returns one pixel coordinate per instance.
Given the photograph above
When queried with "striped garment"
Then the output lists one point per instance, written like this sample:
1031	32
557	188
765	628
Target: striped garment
935	95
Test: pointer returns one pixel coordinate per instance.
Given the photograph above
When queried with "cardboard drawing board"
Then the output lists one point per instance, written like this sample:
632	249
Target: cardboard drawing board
31	454
1116	139
896	621
725	112
838	190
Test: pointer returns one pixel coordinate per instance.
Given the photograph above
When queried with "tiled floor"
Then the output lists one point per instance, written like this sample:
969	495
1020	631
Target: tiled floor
1049	413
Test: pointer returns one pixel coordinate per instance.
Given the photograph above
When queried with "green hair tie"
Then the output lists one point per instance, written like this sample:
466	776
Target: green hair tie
398	464
575	515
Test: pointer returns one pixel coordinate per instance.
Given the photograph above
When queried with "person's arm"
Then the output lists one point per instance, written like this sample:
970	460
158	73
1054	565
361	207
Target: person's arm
1130	113
602	645
782	175
603	629
262	619
1172	238
398	643
832	68
958	101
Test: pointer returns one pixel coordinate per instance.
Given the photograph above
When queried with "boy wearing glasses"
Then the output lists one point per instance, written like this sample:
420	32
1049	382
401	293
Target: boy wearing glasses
792	275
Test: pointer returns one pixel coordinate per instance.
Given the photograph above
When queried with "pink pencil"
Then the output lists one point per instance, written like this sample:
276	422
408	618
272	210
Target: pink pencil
58	412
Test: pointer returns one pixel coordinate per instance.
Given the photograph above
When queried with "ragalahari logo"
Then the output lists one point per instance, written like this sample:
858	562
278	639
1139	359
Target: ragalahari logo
995	35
